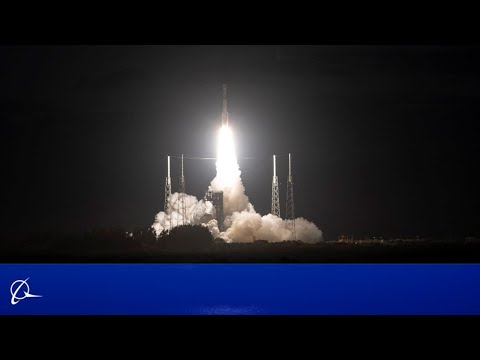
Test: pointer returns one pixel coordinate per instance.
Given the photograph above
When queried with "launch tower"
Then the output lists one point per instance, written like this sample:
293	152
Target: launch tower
216	197
181	193
290	208
275	194
168	190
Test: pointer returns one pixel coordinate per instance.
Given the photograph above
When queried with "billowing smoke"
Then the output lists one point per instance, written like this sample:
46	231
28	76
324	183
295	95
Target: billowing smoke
196	213
247	226
241	222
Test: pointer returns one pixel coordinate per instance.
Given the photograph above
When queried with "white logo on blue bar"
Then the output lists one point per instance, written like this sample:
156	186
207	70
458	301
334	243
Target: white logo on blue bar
26	294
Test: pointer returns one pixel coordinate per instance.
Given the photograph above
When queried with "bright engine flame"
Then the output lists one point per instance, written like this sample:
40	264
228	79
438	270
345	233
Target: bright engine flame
227	166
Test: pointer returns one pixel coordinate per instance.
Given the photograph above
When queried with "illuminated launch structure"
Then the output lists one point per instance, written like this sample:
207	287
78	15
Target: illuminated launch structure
182	208
290	208
216	197
168	188
275	193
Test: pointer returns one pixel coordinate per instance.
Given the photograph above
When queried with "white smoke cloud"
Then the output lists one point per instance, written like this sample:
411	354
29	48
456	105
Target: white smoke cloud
241	221
196	213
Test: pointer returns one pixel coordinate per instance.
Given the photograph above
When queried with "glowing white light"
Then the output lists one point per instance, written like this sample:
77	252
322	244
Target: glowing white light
227	166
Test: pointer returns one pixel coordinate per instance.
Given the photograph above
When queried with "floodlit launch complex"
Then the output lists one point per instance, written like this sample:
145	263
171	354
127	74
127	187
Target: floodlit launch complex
216	197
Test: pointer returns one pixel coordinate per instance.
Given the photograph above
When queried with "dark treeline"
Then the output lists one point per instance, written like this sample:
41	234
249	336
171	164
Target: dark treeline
104	242
195	244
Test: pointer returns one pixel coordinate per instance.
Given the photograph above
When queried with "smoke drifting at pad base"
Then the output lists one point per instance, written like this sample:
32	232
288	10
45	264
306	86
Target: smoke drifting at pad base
241	222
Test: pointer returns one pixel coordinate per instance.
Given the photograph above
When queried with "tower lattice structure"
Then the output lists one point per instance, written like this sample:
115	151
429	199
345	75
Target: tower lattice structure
183	206
275	192
290	206
168	194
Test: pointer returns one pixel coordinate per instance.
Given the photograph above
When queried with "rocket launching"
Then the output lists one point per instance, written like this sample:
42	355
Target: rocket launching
227	167
224	112
240	223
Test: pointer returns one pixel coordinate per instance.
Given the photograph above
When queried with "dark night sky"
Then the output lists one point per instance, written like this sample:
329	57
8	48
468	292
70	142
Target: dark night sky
385	139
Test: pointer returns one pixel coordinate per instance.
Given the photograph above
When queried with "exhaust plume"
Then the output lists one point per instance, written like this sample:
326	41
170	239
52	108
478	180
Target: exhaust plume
242	222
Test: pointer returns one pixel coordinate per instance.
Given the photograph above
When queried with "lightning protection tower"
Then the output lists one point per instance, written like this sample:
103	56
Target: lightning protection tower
168	192
183	207
275	194
290	209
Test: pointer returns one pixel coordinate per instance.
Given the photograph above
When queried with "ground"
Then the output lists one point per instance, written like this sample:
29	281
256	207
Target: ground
115	246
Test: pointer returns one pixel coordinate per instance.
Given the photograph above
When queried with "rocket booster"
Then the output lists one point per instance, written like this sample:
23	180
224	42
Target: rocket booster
225	112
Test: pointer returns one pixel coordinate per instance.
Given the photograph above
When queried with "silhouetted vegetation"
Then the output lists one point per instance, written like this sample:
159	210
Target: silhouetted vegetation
186	238
196	244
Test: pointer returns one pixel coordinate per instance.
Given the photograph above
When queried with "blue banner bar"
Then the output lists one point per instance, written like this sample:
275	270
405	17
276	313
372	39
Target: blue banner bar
298	289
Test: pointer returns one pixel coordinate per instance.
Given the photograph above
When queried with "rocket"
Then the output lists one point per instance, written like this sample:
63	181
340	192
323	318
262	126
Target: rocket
224	112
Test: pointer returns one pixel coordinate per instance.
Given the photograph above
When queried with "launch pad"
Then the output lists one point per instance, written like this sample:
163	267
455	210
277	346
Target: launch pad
216	197
226	157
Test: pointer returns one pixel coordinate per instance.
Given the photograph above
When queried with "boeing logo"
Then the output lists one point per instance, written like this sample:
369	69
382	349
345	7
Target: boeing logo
14	289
